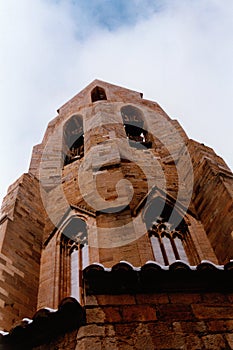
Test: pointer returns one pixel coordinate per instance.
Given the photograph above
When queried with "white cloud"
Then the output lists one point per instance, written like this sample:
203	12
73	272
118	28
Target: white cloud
180	56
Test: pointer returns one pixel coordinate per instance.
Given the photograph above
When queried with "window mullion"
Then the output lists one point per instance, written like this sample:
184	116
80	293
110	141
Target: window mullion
175	250
163	250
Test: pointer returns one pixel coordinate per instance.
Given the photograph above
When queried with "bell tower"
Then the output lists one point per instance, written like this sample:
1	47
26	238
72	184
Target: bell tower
116	188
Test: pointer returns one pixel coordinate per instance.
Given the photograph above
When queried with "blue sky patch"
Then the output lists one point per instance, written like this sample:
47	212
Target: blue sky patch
109	14
112	14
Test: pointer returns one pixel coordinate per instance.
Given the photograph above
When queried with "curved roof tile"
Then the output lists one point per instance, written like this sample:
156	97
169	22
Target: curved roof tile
153	277
45	325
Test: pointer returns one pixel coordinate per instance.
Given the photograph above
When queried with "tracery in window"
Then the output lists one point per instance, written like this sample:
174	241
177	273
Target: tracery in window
73	139
98	94
168	233
74	258
167	244
134	127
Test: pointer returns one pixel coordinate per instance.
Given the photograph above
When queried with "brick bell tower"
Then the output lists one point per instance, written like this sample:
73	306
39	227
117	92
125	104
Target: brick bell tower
120	234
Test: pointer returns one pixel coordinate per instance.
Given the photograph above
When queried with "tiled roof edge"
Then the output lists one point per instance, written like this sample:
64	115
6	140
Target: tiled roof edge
123	277
45	325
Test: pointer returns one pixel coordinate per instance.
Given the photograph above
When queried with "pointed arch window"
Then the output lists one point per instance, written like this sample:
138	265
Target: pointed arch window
73	139
168	233
74	258
167	244
97	94
134	127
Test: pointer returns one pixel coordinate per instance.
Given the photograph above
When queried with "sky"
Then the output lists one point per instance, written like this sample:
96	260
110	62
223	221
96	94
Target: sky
179	53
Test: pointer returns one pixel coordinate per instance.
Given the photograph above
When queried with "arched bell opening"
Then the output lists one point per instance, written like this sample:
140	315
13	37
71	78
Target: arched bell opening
98	94
135	128
73	137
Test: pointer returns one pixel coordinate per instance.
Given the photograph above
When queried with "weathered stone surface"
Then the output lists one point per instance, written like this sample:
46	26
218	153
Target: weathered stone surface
112	187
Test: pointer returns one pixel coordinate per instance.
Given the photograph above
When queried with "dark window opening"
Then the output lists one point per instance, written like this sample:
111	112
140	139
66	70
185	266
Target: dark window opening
137	137
98	94
160	211
73	140
134	127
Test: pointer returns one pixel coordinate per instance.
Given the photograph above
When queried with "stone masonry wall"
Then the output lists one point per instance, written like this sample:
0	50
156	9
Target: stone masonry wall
64	342
160	321
20	251
212	197
109	165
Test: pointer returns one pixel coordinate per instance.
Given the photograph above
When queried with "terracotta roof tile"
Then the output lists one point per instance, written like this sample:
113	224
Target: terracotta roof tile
45	325
152	277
